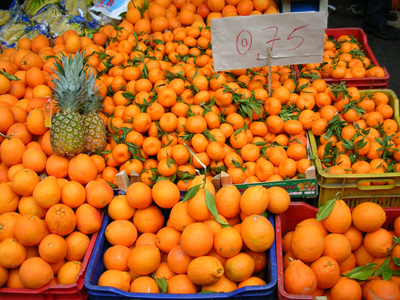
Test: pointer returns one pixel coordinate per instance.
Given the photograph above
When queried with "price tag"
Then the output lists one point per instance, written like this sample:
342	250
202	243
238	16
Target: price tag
47	111
242	42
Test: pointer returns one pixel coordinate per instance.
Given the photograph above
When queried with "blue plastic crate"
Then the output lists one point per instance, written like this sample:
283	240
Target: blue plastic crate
96	268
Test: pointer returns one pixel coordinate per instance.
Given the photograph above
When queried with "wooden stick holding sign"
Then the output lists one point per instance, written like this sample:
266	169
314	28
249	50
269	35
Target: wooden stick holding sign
269	71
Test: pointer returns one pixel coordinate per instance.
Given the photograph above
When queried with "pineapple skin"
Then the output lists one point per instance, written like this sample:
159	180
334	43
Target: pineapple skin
67	134
96	133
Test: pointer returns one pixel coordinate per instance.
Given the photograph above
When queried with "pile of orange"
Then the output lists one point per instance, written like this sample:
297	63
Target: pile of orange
187	249
343	58
358	134
45	228
161	15
168	114
319	254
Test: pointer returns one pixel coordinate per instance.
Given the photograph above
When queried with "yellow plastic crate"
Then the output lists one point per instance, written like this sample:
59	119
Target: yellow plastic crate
384	188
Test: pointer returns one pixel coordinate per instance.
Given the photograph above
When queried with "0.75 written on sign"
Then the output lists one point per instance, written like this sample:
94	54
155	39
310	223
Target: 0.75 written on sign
243	42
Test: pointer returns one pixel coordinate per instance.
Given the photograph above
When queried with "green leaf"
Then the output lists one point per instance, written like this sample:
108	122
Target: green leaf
325	210
396	261
9	76
205	292
362	272
395	272
383	269
210	202
191	193
162	284
265	214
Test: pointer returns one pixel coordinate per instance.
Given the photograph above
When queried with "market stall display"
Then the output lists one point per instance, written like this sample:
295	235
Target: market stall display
194	170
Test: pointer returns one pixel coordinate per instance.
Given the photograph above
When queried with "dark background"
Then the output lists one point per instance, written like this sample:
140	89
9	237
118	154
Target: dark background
386	52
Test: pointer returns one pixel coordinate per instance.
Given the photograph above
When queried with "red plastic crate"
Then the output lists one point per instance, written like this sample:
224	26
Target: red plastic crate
361	83
297	212
73	291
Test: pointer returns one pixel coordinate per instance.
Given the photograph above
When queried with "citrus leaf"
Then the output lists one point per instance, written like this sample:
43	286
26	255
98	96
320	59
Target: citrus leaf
210	202
191	193
396	261
205	292
384	270
9	76
362	272
325	210
162	284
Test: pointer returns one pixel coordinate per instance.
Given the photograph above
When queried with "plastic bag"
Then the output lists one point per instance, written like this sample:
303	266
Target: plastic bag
75	7
108	8
66	23
12	32
49	14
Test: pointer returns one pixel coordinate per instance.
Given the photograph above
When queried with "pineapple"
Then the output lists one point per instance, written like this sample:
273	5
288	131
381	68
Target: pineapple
96	132
67	132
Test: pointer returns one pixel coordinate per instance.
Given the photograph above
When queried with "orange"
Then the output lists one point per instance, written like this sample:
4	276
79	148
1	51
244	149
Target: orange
383	289
181	284
13	253
69	272
307	243
116	258
47	192
167	238
77	244
298	278
228	242
346	288
119	208
327	271
88	218
205	270
355	237
139	195
339	220
337	246
378	242
144	259
35	273
7	223
9	199
60	219
254	200
98	193
227	201
196	239
179	217
368	216
82	169
239	267
73	194
29	230
53	248
144	284
279	200
178	261
149	219
257	233
121	232
165	194
115	278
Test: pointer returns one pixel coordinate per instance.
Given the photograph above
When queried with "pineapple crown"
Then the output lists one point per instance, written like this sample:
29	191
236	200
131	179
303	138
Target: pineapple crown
70	74
93	101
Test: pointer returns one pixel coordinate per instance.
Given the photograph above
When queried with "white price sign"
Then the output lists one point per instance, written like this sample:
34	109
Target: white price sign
243	42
